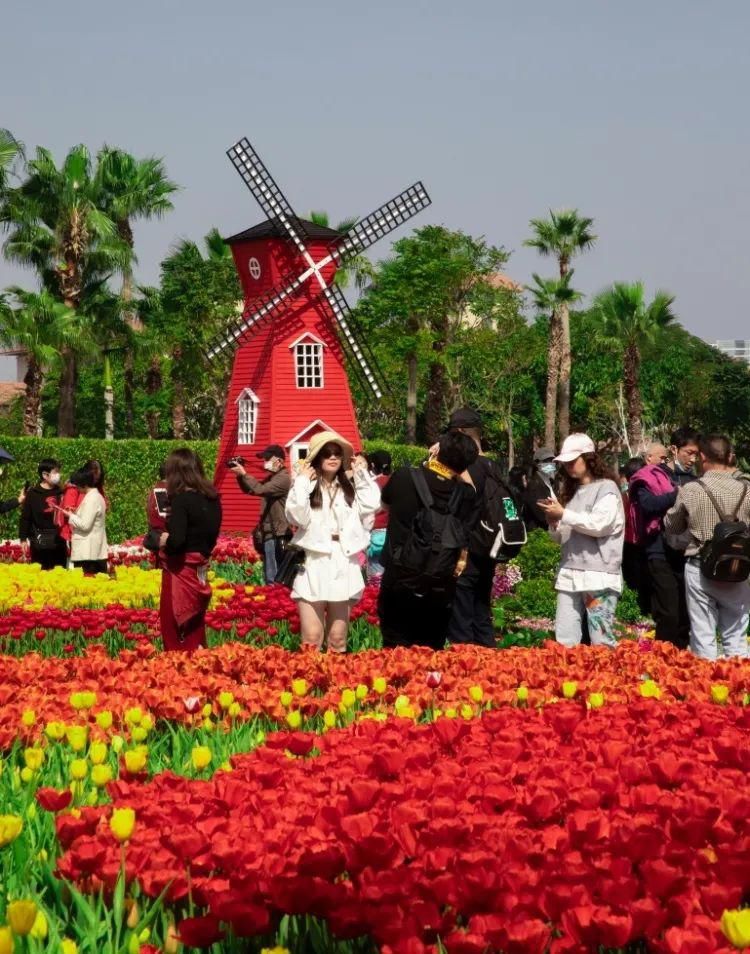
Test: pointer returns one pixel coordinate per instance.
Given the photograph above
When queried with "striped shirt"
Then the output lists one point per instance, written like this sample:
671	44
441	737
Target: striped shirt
695	516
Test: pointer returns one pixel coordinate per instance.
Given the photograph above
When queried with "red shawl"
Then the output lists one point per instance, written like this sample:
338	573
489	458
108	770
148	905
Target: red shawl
191	591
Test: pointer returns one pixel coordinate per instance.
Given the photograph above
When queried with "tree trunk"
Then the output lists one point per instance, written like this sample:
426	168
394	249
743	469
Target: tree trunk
135	324
553	373
179	427
153	386
66	411
128	392
411	399
631	383
109	416
565	367
509	428
32	404
434	412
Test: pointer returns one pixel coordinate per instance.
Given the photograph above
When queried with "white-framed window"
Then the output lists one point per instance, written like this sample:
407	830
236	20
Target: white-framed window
308	361
247	416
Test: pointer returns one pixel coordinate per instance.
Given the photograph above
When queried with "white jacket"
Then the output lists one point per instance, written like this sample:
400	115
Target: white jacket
353	522
89	539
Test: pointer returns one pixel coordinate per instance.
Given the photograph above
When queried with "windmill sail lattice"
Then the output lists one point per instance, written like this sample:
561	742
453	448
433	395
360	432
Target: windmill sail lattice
363	234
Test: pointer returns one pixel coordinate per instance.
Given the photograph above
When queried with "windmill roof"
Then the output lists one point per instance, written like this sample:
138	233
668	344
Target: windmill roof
271	229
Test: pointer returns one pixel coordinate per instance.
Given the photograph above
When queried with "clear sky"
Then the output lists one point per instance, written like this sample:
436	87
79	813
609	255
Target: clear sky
634	112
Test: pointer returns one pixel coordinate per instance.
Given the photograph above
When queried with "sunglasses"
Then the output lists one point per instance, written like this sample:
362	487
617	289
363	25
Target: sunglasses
328	454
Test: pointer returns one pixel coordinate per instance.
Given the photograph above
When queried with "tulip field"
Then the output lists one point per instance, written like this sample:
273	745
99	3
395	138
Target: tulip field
256	798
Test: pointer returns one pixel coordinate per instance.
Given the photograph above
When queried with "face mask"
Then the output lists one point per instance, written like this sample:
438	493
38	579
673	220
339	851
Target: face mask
53	479
270	466
624	487
548	468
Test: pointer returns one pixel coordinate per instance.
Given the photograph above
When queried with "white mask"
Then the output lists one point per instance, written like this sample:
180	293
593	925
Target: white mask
53	479
270	466
548	468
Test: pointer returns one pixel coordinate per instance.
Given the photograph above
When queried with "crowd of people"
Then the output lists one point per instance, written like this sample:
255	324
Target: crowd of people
673	524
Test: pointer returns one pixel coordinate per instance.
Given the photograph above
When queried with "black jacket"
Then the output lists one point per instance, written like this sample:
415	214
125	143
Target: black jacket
36	513
7	505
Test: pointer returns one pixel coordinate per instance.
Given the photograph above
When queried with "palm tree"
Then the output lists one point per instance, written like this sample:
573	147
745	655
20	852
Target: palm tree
358	269
41	325
550	295
564	234
58	227
131	189
11	150
628	323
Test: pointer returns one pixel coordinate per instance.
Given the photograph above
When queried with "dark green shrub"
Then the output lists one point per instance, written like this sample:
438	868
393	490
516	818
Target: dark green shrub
628	610
540	557
131	466
532	597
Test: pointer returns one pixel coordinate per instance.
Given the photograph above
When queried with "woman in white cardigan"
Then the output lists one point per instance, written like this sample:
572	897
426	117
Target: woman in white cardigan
333	514
88	544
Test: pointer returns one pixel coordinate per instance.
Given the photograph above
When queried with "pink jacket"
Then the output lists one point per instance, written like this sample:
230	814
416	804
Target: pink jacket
653	478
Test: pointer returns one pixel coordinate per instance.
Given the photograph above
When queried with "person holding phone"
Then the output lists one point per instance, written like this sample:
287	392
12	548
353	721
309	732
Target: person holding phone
38	527
588	519
333	501
88	544
157	510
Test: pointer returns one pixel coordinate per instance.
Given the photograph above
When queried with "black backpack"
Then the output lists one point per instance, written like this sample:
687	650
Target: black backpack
425	562
726	556
501	532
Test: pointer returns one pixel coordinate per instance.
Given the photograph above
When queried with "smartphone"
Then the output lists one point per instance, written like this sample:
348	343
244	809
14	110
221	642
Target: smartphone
162	501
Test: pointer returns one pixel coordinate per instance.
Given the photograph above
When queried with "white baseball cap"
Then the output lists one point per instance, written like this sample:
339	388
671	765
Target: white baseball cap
573	446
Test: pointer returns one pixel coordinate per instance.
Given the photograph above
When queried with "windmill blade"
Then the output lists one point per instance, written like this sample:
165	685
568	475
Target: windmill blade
266	192
276	302
380	222
352	342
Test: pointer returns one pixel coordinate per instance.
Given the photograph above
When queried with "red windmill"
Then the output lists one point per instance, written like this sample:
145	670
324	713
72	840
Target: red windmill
296	336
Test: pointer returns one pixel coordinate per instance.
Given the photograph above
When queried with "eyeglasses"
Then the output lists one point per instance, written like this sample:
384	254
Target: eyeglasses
327	455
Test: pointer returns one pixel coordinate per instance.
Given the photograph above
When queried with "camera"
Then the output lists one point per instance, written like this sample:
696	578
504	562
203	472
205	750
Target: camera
235	461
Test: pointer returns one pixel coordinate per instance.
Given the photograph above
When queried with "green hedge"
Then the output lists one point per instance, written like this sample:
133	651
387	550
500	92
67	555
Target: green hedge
131	467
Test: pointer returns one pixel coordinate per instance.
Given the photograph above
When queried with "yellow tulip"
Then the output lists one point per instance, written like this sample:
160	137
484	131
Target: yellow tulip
200	757
405	712
329	718
476	693
101	775
68	946
39	929
522	693
28	718
466	711
117	743
79	769
77	735
11	827
138	734
379	685
134	715
274	950
33	758
649	689
55	730
147	722
31	811
294	719
286	698
596	700
719	693
299	687
104	719
226	699
136	759
569	690
26	774
450	713
83	700
361	691
21	916
736	927
6	941
234	710
122	823
348	698
400	702
97	753
208	710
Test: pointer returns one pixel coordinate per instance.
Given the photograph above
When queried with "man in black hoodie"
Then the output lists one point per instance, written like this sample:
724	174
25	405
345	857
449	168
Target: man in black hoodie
37	524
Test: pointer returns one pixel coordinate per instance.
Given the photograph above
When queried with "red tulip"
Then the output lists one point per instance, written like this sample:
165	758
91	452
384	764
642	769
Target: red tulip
53	800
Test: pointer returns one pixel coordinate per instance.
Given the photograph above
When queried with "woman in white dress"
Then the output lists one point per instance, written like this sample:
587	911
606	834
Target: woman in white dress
333	513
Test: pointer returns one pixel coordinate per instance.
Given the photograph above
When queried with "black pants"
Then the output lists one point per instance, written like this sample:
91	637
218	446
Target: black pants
48	559
471	620
410	620
668	604
636	574
92	566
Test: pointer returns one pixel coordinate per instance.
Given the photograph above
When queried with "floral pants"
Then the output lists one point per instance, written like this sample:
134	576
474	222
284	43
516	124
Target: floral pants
600	615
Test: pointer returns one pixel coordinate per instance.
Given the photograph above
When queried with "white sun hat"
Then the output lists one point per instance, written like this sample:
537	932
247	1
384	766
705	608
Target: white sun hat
573	446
